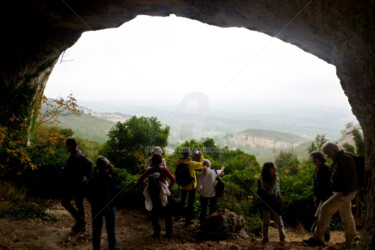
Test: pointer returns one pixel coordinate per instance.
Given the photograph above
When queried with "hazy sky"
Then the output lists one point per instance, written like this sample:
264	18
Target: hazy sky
160	60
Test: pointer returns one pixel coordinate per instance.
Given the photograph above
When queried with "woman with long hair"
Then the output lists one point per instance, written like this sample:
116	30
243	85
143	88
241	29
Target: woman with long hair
270	197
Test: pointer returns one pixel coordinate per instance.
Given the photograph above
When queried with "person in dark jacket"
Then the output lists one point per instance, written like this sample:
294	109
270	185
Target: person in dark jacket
344	185
322	186
75	183
159	190
102	193
270	197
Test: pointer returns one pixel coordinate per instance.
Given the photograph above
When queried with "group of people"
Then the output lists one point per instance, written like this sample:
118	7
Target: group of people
334	188
101	190
156	195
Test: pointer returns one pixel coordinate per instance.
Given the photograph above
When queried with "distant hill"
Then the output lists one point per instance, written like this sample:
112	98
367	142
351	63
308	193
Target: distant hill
265	139
88	127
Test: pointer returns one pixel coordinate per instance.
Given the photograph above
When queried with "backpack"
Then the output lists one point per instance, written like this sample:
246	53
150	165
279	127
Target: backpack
220	186
183	177
360	166
87	164
154	185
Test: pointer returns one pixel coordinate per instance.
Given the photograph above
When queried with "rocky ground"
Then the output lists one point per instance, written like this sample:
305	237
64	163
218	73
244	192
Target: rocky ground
133	232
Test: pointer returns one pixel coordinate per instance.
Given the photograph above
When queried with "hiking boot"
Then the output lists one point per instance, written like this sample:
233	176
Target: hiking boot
264	241
189	222
312	242
169	234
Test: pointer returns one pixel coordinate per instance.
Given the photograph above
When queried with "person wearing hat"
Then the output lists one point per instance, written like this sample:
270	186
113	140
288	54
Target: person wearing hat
206	185
156	150
189	189
102	193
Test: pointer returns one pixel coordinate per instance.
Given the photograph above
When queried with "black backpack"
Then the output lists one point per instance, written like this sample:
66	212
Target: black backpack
220	186
183	177
154	185
87	165
360	166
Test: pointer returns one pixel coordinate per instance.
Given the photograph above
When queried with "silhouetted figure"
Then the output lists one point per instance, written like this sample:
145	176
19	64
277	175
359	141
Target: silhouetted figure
75	173
206	185
269	194
344	185
187	182
157	192
102	194
322	186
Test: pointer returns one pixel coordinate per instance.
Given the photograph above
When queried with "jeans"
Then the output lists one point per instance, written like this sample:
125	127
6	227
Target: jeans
190	207
204	204
157	210
266	224
343	204
97	223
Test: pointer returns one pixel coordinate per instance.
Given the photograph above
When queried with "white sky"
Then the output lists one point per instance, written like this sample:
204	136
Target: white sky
156	60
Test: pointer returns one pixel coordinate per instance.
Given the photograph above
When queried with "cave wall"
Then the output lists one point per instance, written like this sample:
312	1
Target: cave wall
36	32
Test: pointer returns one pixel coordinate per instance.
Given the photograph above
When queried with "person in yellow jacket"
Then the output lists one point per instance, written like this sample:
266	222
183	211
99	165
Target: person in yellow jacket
190	188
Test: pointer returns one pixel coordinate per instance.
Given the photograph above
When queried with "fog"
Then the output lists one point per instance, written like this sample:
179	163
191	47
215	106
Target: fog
158	61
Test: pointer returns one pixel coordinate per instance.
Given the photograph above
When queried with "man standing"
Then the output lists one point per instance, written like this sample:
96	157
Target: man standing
344	185
75	173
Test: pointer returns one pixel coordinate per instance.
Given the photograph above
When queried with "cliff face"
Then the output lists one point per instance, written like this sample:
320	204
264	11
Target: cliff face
36	32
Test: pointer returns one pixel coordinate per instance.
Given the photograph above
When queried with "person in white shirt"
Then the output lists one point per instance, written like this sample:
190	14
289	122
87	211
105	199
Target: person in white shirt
206	185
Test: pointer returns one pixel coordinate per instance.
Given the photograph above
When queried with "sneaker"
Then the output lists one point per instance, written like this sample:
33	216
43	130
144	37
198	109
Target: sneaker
312	242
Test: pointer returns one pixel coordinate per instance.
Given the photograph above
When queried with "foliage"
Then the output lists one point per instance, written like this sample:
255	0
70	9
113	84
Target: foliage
318	142
348	148
287	161
27	210
129	142
359	142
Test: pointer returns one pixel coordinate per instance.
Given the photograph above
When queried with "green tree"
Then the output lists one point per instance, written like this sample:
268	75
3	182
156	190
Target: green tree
317	144
359	142
130	142
348	148
287	161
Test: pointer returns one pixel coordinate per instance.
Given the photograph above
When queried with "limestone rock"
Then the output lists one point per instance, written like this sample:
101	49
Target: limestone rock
223	224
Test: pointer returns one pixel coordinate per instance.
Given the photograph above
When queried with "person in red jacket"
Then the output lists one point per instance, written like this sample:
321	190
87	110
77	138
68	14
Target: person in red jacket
157	175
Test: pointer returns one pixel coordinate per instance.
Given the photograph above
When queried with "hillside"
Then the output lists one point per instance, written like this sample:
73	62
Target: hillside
87	126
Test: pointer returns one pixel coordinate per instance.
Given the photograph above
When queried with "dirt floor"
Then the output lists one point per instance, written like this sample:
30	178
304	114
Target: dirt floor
133	232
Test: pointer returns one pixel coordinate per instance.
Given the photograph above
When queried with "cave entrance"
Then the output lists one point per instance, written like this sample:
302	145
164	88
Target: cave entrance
165	65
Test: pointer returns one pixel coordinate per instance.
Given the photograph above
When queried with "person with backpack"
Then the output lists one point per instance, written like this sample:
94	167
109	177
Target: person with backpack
157	190
75	173
206	185
102	194
344	186
270	198
186	179
156	150
322	186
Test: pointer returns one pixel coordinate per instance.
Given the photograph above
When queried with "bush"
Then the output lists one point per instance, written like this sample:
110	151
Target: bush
27	210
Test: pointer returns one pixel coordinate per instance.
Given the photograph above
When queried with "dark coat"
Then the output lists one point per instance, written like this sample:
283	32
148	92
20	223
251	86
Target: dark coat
322	184
344	174
269	202
102	189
